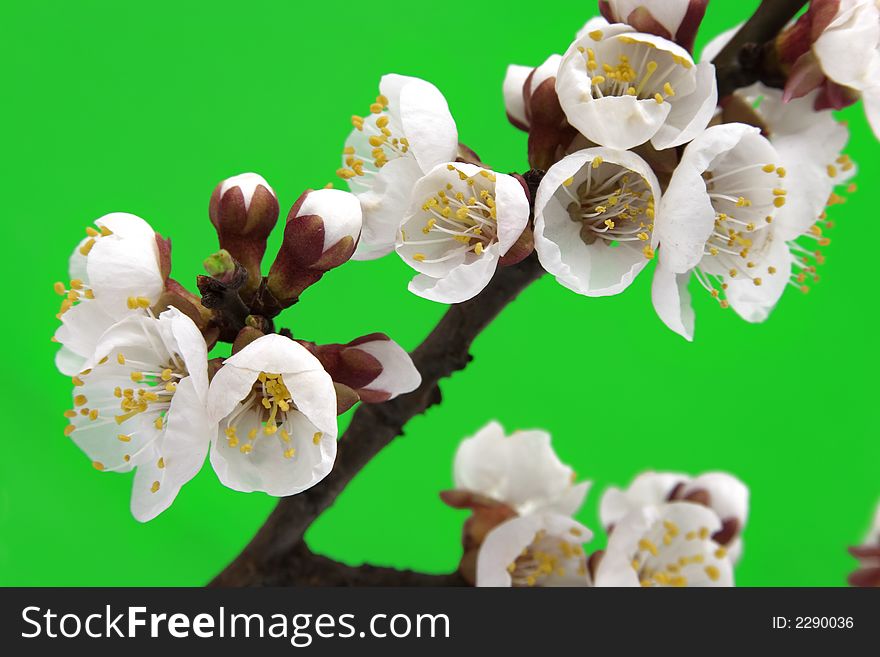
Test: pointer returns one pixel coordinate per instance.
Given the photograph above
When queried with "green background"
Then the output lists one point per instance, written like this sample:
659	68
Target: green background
107	107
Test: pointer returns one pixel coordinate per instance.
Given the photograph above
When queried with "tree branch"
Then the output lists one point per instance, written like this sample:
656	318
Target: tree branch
305	568
275	555
742	61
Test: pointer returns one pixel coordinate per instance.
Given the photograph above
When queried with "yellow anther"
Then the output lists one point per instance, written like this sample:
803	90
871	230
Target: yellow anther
123	438
87	247
80	400
779	201
69	429
596	35
155	487
97	465
769	168
713	573
60	289
316	439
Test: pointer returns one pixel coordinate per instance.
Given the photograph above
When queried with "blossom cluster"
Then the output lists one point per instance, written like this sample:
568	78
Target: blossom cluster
136	343
665	529
639	160
636	155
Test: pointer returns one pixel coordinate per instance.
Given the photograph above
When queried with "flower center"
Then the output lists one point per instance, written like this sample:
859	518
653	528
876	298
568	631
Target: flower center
744	211
544	557
468	221
382	140
271	401
654	570
155	387
612	204
613	73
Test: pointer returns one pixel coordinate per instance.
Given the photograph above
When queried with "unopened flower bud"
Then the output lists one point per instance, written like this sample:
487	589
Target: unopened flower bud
244	210
676	20
221	265
374	367
322	231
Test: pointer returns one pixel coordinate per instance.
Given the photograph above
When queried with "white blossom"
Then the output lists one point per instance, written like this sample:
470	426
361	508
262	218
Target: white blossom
114	271
848	52
143	406
276	410
521	471
594	220
408	132
717	223
622	88
667	545
461	221
542	549
726	495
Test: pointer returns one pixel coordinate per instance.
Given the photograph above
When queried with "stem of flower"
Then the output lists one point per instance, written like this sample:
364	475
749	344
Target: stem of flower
741	61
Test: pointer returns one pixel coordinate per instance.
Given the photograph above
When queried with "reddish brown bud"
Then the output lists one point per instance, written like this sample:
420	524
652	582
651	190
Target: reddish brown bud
321	233
244	210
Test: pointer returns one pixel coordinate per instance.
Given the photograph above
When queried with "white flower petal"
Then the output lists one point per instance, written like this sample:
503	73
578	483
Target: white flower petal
648	489
521	471
399	375
177	457
266	468
462	282
690	117
424	114
340	212
514	80
672	301
646	542
384	206
276	354
543	533
755	302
